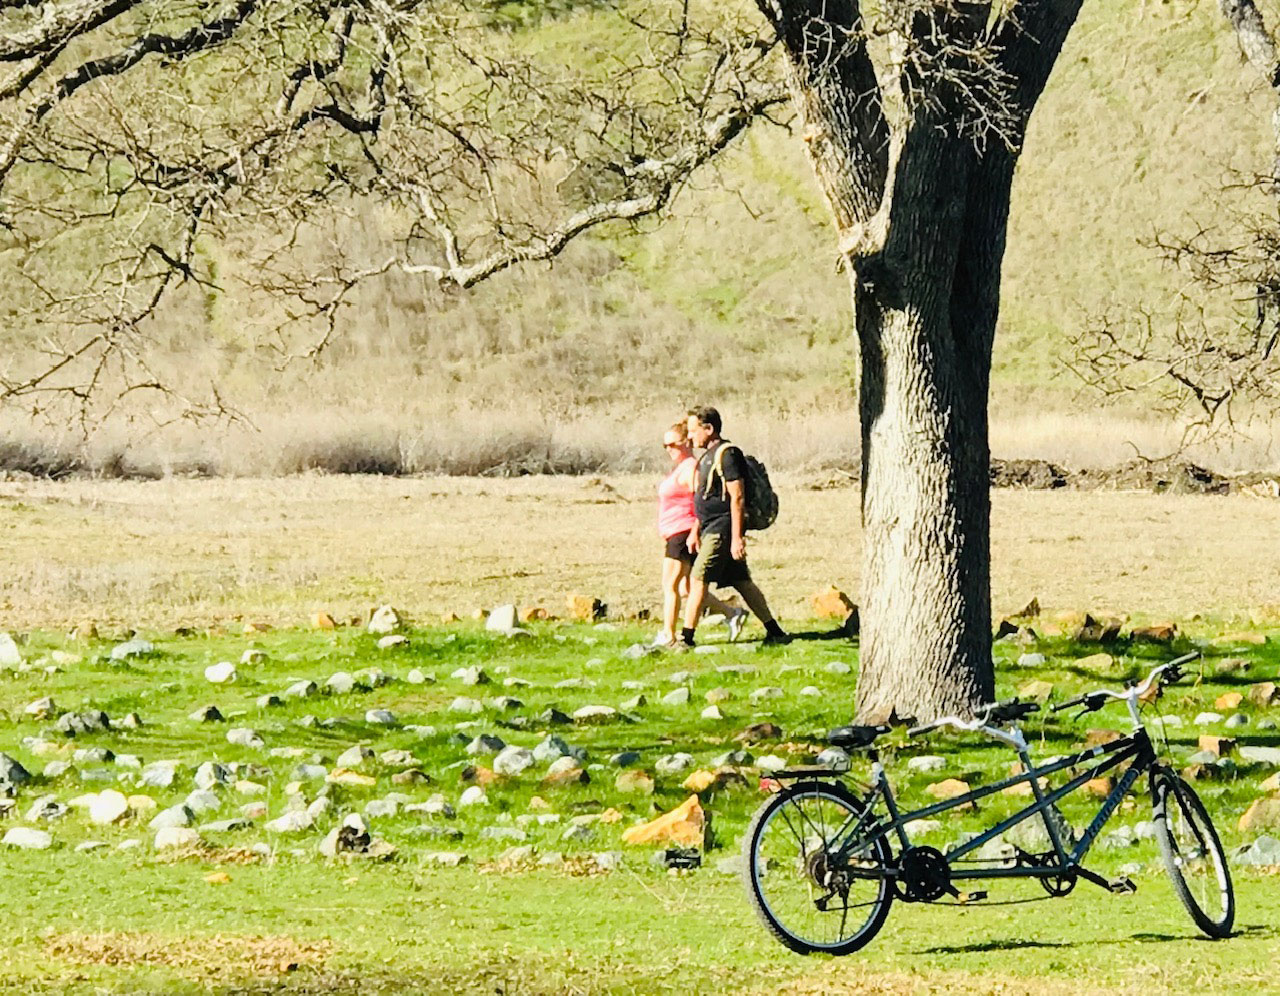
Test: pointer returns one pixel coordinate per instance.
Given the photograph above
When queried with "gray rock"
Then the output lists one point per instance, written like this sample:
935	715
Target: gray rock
242	736
354	757
1203	757
472	707
446	859
220	673
741	669
93	755
625	758
608	860
502	619
484	745
212	773
175	816
91	721
253	655
47	808
381	807
771	762
927	763
638	651
159	774
56	769
303	689
1266	723
474	675
132	648
397	758
340	683
176	838
207	714
505	703
1031	660
84	847
561	765
767	692
1236	720
269	701
392	640
676	697
551	748
671	764
1207	718
44	708
1144	830
10	656
295	821
503	833
1255	754
571	683
593	714
712	712
473	795
310	773
97	775
554	717
380	717
417	677
130	761
734	758
834	758
837	667
811	692
1263	852
578	832
131	722
201	801
513	761
521	854
27	838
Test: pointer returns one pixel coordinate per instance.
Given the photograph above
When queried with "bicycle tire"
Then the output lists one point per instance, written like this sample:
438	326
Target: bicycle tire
755	870
1186	836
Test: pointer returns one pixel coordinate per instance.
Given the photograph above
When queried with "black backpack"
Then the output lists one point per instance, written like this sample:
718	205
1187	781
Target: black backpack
761	505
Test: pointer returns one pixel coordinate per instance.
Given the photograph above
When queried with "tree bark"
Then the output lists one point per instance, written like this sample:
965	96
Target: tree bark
921	214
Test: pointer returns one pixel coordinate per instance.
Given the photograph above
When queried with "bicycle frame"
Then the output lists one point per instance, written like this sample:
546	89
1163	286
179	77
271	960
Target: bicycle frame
1136	748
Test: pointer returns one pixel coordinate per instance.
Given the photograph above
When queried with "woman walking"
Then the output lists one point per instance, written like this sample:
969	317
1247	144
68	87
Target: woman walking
675	520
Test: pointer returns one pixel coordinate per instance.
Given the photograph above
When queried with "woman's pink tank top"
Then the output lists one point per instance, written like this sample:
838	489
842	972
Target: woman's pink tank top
675	501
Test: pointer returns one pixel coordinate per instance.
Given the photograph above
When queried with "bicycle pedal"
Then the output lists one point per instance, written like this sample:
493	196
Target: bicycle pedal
1122	886
971	897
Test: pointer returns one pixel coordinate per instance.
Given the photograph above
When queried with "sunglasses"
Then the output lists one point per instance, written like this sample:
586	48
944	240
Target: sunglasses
672	446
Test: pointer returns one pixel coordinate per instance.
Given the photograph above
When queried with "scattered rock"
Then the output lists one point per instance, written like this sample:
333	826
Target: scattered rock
471	707
926	762
1264	694
380	717
832	604
212	773
1161	633
176	838
207	714
416	677
472	796
242	736
132	648
485	744
684	826
108	807
590	715
44	708
767	692
502	619
159	774
1262	814
512	761
384	620
634	782
834	758
712	712
304	689
757	732
672	764
1254	754
1217	746
1097	738
1228	701
392	640
294	821
676	697
27	838
220	673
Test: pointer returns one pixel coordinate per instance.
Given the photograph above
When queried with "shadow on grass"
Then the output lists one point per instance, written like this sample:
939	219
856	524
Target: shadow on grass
1256	931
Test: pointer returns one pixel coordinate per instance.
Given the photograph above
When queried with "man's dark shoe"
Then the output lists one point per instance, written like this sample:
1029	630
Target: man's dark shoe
778	638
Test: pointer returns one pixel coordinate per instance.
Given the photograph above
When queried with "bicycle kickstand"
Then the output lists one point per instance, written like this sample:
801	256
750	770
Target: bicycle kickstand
1121	886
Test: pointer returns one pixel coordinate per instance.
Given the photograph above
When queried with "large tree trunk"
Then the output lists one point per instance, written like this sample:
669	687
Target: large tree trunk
921	213
925	311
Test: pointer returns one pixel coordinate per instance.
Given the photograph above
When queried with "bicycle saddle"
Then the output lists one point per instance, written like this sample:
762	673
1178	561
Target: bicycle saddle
855	736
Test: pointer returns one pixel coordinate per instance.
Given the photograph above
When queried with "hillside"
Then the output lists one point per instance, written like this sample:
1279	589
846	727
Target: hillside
736	297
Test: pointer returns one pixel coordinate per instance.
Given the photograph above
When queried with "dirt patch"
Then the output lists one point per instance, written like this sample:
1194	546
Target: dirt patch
212	956
842	979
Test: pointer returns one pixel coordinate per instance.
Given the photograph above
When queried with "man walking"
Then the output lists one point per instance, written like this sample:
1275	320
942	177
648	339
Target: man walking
718	538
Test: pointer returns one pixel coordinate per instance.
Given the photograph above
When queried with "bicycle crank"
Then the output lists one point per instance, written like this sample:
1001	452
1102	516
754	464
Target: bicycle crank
923	875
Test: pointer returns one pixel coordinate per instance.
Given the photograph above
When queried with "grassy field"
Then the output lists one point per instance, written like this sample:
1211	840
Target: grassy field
253	910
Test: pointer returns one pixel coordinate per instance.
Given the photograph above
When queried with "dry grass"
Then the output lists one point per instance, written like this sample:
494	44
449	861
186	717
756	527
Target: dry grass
179	552
209	957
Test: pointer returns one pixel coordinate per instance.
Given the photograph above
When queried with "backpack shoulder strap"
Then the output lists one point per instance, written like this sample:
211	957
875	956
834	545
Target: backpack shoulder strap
717	467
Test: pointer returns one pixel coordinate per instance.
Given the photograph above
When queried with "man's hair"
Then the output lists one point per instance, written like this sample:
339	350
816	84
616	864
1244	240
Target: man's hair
707	416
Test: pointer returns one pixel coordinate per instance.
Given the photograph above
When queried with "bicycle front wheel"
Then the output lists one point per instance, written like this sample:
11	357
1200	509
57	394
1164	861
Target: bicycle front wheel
816	880
1193	855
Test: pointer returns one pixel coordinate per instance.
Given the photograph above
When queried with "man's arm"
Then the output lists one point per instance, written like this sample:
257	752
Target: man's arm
737	513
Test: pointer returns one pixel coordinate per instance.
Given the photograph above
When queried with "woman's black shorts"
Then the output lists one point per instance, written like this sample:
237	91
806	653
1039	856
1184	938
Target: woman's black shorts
678	548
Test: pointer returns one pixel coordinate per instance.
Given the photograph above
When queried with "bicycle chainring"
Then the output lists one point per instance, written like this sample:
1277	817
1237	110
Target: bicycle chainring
1059	885
923	874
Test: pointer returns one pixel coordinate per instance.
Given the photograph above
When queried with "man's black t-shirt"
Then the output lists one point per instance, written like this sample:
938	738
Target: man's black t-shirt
711	500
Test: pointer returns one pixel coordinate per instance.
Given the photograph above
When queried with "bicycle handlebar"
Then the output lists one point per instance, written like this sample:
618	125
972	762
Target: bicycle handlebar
1166	673
1010	710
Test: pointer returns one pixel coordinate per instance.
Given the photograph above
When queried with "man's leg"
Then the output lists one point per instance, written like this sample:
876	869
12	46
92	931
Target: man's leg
754	598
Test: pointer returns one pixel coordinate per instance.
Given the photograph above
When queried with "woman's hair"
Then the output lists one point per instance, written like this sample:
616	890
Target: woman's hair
681	430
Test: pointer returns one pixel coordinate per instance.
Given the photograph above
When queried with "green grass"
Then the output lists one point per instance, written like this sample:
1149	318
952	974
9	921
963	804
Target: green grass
409	926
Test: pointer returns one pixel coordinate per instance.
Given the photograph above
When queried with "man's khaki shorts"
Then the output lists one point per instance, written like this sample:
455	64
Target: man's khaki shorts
715	563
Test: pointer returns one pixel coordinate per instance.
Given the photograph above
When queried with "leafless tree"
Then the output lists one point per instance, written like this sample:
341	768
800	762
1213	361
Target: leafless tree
132	128
1209	357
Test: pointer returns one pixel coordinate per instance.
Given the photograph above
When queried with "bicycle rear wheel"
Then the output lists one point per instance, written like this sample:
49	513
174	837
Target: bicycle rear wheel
1193	855
813	887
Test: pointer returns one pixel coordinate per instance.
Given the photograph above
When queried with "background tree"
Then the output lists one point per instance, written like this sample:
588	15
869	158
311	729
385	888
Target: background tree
1209	357
133	128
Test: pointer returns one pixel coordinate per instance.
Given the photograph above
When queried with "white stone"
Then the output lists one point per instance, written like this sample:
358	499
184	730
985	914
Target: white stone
392	640
416	677
472	796
811	691
712	712
926	762
502	619
771	762
1207	718
384	620
513	760
294	821
220	673
25	837
10	656
108	806
168	838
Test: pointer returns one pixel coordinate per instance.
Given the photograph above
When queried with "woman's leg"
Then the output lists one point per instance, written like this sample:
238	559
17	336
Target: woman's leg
674	572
